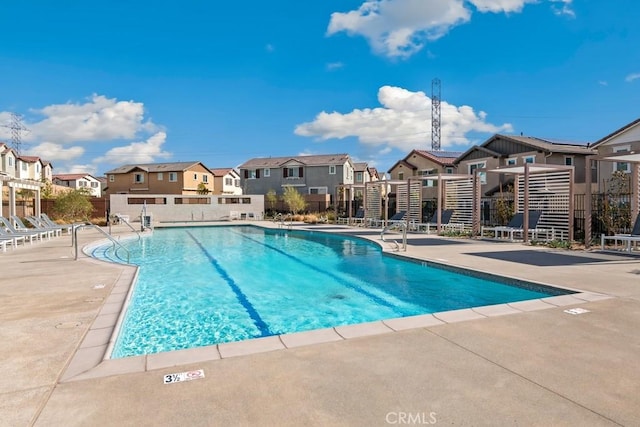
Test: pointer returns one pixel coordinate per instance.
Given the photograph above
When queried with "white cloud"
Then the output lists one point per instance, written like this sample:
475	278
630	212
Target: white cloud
52	152
400	28
334	66
603	83
403	122
632	77
137	152
90	169
562	7
99	119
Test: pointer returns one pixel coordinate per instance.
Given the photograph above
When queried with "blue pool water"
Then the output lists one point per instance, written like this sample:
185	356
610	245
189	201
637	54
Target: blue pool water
200	286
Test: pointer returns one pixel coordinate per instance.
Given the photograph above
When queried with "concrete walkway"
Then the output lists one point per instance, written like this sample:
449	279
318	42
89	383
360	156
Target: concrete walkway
521	365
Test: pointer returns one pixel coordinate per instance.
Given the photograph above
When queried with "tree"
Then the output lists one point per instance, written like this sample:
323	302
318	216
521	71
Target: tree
73	205
272	199
616	210
203	189
47	189
294	200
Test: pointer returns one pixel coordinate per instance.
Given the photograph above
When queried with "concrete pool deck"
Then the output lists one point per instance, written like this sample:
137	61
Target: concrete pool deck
527	363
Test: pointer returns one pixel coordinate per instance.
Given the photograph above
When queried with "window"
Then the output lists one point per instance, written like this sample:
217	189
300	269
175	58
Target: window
448	170
318	190
237	182
10	161
37	168
529	159
251	174
195	176
359	176
94	185
512	161
25	167
112	178
622	166
476	166
205	178
292	172
160	176
228	181
267	172
138	178
332	169
400	176
173	176
82	183
568	160
429	182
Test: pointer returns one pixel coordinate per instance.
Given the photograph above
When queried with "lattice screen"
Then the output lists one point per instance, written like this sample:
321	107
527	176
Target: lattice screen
459	197
549	193
373	202
402	201
415	201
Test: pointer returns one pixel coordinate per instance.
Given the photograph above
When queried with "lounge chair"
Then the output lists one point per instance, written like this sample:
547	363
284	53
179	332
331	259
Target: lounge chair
627	239
7	238
515	227
49	222
38	224
8	230
445	223
358	218
21	227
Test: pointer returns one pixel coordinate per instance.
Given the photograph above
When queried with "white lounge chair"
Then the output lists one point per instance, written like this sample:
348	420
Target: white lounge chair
21	227
627	239
445	223
8	230
515	227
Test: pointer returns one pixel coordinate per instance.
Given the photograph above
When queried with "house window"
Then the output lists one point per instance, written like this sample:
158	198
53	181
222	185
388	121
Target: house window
237	183
481	174
448	170
160	176
622	166
173	176
228	181
94	185
25	167
358	176
318	190
568	160
37	168
429	182
332	169
205	178
400	176
138	178
10	161
195	176
512	161
529	159
267	172
112	178
292	172
82	183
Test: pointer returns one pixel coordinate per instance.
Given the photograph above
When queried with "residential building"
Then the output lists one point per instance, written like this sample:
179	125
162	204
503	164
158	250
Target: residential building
625	140
421	163
160	178
226	181
318	174
79	181
20	174
502	151
362	174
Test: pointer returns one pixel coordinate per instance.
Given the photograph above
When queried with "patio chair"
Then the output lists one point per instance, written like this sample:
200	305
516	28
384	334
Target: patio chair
20	226
445	223
396	219
49	222
8	230
358	218
515	226
38	224
627	239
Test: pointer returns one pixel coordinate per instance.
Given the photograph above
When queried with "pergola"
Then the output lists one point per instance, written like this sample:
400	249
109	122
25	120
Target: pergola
547	188
634	160
19	184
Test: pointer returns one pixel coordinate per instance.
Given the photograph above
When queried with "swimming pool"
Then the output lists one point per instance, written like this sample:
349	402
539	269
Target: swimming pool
201	286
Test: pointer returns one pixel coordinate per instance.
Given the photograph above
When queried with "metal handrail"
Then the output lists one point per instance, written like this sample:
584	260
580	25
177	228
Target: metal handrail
401	225
89	225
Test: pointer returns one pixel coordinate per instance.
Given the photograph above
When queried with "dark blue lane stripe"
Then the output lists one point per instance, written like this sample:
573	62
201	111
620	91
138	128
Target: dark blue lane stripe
337	278
242	298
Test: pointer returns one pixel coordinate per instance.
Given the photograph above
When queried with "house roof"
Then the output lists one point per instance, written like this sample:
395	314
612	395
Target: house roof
489	153
546	144
221	171
442	158
29	159
156	167
616	133
315	160
72	176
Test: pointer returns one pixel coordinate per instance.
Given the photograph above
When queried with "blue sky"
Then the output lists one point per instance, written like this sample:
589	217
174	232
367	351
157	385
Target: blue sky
101	84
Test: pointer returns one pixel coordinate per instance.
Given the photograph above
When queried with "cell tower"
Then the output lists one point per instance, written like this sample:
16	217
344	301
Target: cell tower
17	129
435	114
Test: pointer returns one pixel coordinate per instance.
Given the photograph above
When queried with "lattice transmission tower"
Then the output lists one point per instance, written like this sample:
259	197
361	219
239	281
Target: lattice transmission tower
17	130
435	114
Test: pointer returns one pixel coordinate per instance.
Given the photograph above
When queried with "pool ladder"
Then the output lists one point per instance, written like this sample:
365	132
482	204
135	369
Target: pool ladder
403	227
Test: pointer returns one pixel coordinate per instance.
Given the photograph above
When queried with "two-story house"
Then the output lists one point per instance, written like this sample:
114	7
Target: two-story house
226	181
317	174
502	151
362	174
21	175
160	178
79	181
623	141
